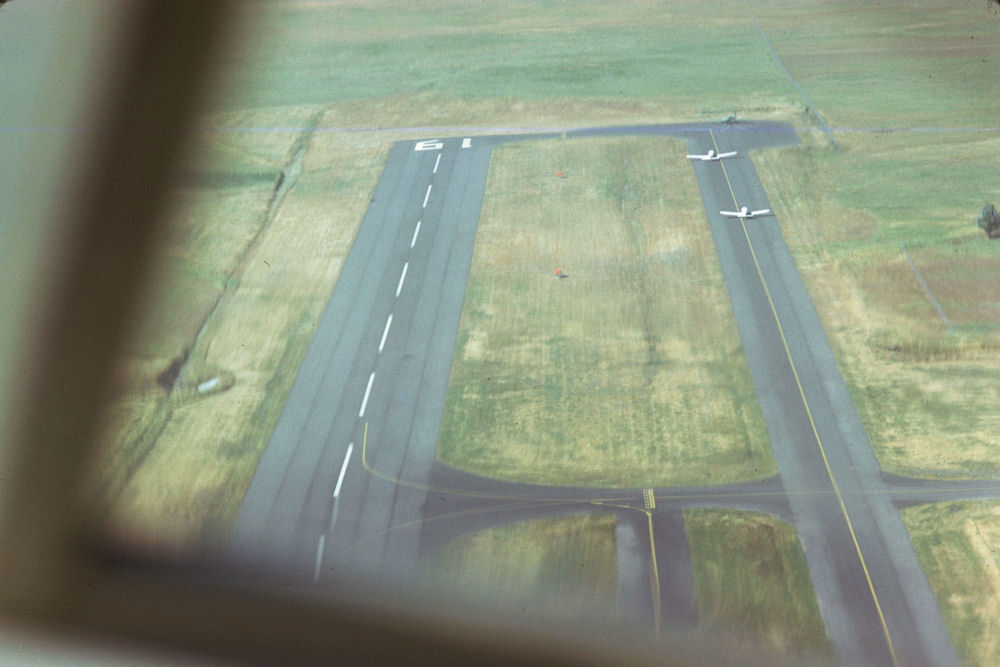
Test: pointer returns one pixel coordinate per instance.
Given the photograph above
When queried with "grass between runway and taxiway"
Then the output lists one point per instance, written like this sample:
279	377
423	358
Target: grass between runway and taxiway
957	544
751	583
628	371
565	566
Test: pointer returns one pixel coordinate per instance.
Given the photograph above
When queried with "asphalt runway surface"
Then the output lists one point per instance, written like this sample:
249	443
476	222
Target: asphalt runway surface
349	481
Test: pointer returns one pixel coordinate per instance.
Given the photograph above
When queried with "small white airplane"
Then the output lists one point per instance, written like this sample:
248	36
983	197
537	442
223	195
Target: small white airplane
712	154
744	213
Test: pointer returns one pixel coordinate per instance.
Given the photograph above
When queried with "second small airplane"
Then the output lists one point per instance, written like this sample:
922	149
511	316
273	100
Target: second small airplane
712	154
744	213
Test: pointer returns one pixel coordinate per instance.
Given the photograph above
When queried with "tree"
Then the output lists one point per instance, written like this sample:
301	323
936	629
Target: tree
989	221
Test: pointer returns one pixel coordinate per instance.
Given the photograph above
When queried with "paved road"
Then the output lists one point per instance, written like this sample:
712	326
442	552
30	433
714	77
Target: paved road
349	482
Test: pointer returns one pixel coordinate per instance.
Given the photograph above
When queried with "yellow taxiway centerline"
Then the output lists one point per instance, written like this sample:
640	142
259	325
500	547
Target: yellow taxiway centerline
802	394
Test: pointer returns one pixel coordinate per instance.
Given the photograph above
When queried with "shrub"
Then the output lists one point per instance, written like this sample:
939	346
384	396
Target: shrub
989	221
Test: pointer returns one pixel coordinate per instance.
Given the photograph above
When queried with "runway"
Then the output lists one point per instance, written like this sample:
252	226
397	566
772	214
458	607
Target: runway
349	481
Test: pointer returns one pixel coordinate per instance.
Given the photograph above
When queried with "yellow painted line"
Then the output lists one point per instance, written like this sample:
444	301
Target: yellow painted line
812	423
470	494
654	575
516	505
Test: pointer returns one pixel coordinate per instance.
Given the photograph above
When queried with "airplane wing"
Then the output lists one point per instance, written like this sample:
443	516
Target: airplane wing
729	154
699	157
730	214
763	211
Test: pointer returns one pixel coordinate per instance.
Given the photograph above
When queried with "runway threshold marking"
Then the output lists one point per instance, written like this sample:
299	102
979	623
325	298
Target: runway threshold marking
812	422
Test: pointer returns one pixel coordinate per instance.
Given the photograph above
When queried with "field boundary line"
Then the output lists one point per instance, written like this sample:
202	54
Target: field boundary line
926	288
812	107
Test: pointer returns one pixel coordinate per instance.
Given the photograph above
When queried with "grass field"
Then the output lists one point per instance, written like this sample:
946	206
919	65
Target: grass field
563	566
446	63
751	581
957	544
629	371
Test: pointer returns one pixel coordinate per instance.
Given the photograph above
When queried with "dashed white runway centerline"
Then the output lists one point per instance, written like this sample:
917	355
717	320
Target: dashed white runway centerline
402	278
385	332
368	391
416	232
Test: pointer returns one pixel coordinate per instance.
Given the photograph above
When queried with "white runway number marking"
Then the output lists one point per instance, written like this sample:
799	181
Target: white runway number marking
467	142
429	145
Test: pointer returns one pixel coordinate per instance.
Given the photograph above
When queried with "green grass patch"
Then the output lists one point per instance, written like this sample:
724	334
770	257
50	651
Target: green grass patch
923	385
629	371
565	566
449	62
958	546
891	64
751	581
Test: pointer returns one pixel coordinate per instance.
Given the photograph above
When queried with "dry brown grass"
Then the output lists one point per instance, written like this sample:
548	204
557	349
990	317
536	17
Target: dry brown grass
563	566
751	582
629	372
958	546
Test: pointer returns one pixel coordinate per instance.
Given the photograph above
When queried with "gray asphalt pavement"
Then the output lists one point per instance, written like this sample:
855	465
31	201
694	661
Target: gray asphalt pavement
349	482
